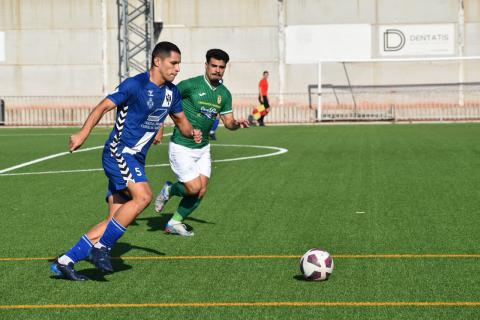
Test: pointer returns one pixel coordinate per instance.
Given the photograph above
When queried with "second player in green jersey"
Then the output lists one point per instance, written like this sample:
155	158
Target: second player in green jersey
202	102
203	98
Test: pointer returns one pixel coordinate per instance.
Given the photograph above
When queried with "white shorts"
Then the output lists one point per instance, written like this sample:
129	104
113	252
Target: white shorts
189	163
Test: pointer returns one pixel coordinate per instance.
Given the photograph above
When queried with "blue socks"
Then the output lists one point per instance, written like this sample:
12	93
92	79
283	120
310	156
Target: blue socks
215	126
81	250
113	232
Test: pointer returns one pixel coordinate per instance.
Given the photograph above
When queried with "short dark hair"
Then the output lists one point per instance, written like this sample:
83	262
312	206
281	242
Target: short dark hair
265	72
163	50
218	54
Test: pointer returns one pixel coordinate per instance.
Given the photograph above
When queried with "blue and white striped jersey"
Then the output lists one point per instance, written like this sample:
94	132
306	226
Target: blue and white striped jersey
142	107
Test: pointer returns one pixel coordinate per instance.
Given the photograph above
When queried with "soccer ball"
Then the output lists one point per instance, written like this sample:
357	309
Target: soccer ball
316	264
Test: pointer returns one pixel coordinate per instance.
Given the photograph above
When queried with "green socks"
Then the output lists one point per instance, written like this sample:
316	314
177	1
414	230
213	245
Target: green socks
188	203
187	206
178	189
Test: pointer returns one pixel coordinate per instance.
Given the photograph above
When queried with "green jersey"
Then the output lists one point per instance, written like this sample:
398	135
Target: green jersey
201	103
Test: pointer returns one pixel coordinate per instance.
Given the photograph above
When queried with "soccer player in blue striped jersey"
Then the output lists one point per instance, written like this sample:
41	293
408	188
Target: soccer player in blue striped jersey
142	102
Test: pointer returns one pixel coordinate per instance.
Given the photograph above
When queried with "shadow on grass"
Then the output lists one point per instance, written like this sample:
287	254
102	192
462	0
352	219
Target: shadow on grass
118	263
159	222
122	248
300	277
93	274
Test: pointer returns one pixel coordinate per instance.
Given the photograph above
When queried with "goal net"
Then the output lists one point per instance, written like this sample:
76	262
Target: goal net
441	89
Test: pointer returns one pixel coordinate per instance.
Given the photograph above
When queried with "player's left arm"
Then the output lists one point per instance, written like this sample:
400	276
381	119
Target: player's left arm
186	128
231	123
226	114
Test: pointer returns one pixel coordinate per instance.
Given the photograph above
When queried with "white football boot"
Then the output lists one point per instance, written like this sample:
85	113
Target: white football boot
178	228
163	197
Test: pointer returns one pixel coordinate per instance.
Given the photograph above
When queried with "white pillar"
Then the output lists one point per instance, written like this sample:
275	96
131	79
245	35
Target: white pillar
104	48
319	92
281	51
461	45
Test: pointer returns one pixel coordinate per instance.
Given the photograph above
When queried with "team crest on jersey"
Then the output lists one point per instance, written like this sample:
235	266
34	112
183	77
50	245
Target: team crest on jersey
150	93
150	103
219	99
168	98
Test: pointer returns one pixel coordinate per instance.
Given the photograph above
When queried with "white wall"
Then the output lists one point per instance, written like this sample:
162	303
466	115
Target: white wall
53	47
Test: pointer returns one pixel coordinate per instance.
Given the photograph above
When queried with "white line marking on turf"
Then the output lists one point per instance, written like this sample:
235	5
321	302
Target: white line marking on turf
45	158
2	172
279	152
106	133
51	157
50	172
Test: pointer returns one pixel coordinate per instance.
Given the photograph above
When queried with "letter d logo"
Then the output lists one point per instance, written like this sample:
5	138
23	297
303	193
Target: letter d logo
393	40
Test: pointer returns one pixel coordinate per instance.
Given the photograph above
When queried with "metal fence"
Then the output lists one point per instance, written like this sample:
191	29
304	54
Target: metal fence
51	111
440	102
72	111
419	102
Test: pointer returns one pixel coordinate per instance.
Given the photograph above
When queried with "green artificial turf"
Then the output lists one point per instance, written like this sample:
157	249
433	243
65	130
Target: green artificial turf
355	190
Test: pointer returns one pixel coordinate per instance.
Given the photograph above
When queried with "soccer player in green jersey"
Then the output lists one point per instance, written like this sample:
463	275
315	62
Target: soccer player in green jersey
203	98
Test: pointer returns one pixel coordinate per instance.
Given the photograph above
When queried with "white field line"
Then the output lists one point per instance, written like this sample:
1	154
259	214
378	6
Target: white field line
55	156
3	172
106	133
279	151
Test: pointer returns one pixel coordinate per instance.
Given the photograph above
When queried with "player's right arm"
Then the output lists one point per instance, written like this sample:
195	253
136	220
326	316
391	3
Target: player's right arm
178	116
159	136
119	97
185	127
77	139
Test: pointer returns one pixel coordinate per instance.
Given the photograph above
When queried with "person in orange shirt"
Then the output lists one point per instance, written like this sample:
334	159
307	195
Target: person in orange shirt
263	96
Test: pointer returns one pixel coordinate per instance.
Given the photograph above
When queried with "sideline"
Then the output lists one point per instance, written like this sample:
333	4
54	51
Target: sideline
251	304
246	257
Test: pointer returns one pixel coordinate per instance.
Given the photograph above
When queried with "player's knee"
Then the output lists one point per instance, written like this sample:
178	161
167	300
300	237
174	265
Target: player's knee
147	197
143	199
193	188
202	192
